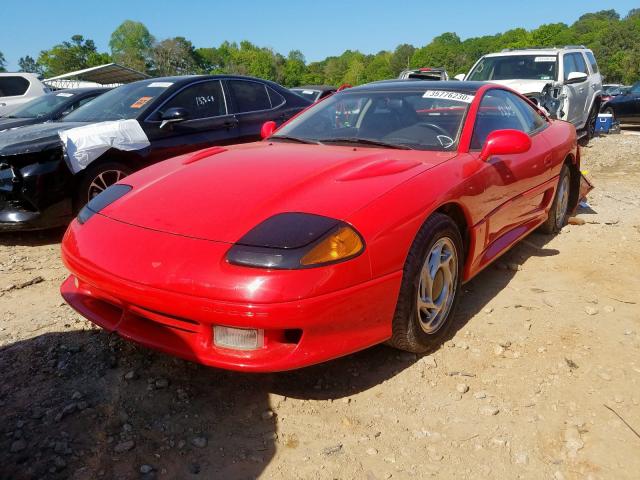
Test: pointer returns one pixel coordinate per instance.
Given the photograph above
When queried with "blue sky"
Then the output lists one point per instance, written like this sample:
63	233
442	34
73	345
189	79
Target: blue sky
318	28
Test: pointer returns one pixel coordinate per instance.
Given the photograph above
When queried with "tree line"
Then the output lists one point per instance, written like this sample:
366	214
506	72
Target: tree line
614	39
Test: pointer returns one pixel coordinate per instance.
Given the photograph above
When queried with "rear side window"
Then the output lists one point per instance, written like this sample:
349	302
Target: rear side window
201	100
13	86
249	96
592	61
275	97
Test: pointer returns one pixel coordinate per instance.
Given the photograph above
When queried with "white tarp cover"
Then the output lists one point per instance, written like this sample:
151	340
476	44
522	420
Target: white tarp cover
85	144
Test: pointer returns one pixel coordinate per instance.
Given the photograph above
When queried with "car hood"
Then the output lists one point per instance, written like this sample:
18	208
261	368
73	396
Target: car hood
9	123
33	138
222	196
524	86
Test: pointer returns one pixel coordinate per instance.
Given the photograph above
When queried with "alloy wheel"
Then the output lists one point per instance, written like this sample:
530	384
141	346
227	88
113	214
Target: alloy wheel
563	201
103	180
437	286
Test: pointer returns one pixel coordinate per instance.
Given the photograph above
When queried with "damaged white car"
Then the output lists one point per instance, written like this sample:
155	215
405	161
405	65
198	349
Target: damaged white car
566	81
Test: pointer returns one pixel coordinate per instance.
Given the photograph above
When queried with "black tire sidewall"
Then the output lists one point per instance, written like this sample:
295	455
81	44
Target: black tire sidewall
417	340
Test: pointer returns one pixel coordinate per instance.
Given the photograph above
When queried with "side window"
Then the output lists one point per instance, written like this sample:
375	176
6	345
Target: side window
498	111
592	61
568	65
249	96
13	86
532	119
201	100
581	66
275	98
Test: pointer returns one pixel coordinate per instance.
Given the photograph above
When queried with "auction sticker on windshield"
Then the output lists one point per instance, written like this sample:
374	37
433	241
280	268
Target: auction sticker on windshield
544	59
141	102
448	95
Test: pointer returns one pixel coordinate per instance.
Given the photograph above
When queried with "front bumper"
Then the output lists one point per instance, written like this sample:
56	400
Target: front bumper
167	292
297	334
35	192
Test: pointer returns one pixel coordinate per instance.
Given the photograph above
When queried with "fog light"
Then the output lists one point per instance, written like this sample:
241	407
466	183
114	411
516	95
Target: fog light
238	338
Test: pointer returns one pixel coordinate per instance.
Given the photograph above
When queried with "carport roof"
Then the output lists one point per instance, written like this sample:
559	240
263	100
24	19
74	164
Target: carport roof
108	74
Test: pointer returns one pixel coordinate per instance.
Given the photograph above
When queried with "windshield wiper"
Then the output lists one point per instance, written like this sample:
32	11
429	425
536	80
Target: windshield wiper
293	139
365	141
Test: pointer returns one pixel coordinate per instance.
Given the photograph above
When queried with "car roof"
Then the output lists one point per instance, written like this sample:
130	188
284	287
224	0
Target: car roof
82	90
536	51
323	88
183	79
415	84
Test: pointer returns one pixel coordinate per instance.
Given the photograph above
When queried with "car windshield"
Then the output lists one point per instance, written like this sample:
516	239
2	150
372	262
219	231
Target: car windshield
419	119
515	67
311	95
635	88
122	103
41	106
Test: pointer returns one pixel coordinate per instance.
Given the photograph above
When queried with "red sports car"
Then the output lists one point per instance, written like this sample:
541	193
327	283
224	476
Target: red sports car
353	224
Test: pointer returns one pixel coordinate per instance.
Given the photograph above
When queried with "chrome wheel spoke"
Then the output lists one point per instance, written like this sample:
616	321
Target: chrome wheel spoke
436	288
104	180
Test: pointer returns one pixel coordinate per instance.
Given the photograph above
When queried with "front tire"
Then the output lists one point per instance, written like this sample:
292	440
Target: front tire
96	179
430	284
560	207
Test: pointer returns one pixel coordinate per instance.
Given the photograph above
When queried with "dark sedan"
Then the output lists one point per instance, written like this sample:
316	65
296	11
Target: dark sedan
174	115
625	107
50	107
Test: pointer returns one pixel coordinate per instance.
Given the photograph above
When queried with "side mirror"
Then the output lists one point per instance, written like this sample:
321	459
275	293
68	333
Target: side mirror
576	77
505	142
460	77
267	129
173	115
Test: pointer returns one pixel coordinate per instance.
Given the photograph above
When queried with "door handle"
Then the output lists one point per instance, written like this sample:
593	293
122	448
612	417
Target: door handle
230	123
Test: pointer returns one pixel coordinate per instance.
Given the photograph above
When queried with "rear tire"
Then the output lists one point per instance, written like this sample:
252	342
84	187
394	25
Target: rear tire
430	284
559	208
590	127
97	178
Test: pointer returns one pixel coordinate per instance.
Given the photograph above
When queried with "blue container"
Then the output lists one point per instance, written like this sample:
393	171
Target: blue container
604	122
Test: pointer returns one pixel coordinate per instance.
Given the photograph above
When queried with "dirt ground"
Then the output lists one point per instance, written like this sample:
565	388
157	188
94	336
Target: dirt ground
537	381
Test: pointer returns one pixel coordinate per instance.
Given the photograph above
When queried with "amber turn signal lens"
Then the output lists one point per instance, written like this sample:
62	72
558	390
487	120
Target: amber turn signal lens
341	244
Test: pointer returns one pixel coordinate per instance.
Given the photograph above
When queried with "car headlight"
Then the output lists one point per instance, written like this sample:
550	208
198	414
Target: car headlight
102	200
296	240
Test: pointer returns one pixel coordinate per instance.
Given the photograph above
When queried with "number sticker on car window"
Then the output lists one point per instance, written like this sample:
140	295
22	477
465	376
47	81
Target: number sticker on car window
448	95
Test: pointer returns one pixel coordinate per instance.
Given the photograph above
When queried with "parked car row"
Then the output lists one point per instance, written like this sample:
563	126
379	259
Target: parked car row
44	182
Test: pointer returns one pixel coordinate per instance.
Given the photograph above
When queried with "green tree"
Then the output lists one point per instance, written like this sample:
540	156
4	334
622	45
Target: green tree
174	56
401	58
293	69
29	65
3	63
70	56
132	45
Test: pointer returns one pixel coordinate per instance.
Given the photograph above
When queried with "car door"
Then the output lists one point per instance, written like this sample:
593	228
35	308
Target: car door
254	103
577	93
627	105
207	123
510	181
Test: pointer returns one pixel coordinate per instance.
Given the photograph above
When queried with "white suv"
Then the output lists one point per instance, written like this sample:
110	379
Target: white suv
564	81
19	88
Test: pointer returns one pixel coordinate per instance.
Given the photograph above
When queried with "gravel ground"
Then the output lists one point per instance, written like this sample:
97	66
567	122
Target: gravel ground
540	378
